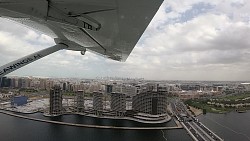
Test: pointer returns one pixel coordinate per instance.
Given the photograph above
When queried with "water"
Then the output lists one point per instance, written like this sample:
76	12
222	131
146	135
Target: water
231	126
17	129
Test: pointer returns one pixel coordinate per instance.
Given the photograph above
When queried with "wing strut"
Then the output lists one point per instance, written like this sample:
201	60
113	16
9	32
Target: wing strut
14	65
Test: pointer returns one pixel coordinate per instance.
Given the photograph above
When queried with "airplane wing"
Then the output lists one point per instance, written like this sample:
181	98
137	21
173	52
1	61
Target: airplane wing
110	28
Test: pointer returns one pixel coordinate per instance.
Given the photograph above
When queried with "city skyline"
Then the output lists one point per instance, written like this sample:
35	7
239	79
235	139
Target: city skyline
193	40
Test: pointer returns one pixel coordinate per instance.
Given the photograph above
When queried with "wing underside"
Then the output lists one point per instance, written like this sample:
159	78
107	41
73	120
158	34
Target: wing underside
107	27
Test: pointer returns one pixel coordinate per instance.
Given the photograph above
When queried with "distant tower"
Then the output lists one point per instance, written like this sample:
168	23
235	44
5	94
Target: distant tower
118	103
98	102
55	105
79	101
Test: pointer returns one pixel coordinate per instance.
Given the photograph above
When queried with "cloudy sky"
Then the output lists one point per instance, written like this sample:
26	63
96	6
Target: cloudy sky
191	40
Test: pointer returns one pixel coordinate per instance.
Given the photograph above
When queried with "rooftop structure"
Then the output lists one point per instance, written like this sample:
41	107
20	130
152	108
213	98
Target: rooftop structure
19	100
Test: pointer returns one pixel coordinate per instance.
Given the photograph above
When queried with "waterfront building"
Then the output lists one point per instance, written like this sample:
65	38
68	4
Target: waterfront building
151	102
118	103
19	100
79	101
98	102
55	102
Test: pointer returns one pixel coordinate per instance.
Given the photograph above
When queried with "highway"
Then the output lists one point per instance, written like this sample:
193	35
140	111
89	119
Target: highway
197	130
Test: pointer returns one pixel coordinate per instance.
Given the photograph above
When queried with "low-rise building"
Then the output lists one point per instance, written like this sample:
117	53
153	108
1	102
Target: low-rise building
19	100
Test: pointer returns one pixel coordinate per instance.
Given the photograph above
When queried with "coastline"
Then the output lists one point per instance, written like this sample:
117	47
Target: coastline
195	111
116	117
88	125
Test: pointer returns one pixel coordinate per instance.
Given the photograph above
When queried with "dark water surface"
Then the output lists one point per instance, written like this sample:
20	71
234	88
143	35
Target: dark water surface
231	126
18	129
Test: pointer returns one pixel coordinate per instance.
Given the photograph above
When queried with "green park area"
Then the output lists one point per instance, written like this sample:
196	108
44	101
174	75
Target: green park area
202	104
227	101
237	96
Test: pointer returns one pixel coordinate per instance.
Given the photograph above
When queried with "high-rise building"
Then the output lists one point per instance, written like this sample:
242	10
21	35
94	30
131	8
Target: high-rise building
98	102
153	103
79	101
5	82
108	88
42	84
55	102
49	84
13	83
118	103
64	87
35	83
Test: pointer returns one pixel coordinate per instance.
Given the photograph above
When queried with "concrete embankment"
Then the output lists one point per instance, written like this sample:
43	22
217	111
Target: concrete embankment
168	118
196	111
177	122
89	126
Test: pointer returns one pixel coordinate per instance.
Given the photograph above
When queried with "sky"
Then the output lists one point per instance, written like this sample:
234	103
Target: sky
186	40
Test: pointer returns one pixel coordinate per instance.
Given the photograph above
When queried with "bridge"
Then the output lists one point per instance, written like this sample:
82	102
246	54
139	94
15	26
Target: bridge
197	130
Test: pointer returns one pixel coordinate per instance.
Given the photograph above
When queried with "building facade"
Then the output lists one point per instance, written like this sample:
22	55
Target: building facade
153	103
98	102
79	101
55	102
118	103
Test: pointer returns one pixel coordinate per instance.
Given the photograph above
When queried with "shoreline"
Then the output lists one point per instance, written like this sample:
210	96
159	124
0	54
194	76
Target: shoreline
196	111
115	118
88	125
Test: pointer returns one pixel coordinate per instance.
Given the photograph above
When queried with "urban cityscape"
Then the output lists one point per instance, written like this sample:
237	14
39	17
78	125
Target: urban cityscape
124	70
139	100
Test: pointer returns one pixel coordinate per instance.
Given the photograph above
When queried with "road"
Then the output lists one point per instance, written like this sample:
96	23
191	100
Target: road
196	129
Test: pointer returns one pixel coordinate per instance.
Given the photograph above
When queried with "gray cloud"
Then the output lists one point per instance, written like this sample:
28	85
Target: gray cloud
211	45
